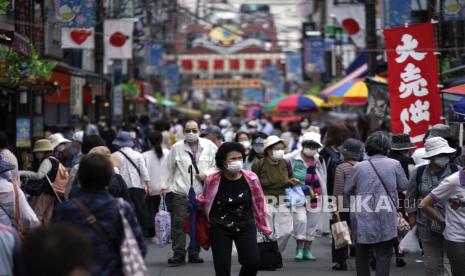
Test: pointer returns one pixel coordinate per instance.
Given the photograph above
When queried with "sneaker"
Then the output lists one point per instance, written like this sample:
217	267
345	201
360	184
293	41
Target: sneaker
308	255
195	259
400	262
177	260
299	256
340	266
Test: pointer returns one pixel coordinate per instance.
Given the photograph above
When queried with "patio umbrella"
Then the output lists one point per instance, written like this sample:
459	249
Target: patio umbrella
272	105
357	94
294	103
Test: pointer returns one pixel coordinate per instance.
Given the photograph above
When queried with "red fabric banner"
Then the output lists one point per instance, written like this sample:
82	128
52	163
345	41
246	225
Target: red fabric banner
413	80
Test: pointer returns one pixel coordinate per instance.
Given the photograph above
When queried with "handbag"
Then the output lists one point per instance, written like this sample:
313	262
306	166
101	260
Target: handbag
341	233
402	225
201	229
295	196
132	261
162	225
270	257
410	243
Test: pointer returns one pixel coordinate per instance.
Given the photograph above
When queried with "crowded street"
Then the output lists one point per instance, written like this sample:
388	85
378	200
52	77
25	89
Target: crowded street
232	137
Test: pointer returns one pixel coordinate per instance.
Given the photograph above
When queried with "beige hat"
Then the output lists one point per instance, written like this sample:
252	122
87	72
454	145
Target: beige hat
272	140
57	139
312	136
104	151
436	146
42	145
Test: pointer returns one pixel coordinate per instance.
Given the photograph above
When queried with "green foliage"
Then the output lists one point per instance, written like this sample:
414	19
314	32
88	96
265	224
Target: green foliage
3	6
26	70
130	90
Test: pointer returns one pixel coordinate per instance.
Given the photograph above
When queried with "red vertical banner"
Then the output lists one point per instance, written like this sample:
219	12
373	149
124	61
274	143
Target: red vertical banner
413	80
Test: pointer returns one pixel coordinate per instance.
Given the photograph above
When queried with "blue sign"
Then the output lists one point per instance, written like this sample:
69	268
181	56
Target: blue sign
76	13
294	66
396	13
273	81
23	133
171	78
453	10
154	58
314	55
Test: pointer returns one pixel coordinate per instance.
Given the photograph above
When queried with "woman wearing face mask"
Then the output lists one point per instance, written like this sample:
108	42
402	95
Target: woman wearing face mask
243	138
310	169
256	151
422	181
234	203
275	175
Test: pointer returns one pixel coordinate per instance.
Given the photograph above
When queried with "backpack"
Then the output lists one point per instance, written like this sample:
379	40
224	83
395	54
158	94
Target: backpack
60	182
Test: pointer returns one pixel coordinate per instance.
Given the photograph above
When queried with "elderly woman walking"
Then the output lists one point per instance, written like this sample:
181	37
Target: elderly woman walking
423	180
375	183
235	204
351	152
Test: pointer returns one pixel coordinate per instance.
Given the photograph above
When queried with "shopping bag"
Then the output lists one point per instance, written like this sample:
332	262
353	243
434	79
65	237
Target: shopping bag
410	244
201	229
162	225
295	196
270	257
341	233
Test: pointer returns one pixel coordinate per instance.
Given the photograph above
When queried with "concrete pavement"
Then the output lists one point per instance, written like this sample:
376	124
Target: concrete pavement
157	263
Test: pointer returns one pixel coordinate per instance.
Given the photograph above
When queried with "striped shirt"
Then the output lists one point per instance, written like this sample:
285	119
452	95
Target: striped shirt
343	173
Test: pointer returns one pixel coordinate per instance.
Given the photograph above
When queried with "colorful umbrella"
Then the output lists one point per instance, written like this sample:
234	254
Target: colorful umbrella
272	105
357	94
294	103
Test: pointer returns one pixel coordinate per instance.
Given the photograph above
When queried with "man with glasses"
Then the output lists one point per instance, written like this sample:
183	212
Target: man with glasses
196	151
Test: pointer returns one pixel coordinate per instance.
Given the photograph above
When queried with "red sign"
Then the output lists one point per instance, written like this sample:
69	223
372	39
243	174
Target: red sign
413	80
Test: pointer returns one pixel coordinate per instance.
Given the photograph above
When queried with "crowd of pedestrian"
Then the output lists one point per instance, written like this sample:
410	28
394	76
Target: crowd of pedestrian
89	200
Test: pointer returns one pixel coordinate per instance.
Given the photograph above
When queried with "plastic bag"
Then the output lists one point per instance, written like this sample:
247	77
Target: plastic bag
295	196
410	244
162	225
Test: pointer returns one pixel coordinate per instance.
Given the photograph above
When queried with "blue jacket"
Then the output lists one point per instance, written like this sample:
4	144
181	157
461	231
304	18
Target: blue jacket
104	207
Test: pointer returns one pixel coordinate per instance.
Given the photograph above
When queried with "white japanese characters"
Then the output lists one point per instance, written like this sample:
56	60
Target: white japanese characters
412	83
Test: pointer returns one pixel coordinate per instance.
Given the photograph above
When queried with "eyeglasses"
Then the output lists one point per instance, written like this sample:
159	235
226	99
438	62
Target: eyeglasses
191	130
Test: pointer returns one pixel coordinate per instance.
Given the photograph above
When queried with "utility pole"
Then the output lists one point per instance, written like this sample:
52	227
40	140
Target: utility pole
371	40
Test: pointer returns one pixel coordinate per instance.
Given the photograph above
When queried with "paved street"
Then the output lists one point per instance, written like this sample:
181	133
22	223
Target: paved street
157	257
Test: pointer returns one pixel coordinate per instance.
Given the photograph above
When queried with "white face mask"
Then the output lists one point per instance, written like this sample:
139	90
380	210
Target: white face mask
304	124
441	162
191	137
235	166
258	148
277	155
246	144
309	152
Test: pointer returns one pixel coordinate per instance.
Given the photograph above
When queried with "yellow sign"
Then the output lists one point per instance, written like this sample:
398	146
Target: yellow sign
226	83
226	34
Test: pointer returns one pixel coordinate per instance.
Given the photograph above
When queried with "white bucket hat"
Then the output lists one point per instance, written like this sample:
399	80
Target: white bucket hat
271	140
312	136
436	146
57	139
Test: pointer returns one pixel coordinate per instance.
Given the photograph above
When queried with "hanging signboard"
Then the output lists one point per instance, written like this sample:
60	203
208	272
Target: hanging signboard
413	80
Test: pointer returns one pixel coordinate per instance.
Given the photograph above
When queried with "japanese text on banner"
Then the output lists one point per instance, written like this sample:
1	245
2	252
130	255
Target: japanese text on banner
413	80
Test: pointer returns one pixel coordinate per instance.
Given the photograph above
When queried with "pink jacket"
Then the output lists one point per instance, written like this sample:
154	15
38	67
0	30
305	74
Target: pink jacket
258	198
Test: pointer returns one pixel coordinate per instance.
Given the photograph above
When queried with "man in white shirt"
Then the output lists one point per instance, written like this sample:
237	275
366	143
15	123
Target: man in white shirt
134	172
177	179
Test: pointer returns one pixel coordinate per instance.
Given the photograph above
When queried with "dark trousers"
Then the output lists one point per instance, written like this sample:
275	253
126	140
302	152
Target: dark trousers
180	212
456	254
137	197
340	255
383	255
153	204
247	249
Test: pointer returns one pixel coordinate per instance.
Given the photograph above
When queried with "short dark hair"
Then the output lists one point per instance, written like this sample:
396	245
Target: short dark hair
239	133
378	143
191	121
225	149
95	172
45	244
336	134
296	129
91	141
3	140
